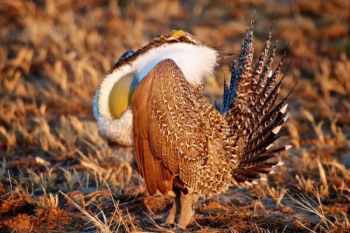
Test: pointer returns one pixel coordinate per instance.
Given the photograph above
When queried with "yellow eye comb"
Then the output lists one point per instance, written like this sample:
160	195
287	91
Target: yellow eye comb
178	33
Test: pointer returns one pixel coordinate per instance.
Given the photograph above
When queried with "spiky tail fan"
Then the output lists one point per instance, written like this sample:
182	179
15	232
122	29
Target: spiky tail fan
249	105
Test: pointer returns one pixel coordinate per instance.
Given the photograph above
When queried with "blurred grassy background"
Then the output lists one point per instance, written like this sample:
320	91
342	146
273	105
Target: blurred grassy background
54	54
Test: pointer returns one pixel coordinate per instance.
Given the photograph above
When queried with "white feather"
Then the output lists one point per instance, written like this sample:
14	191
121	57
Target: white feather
195	61
119	131
284	108
277	129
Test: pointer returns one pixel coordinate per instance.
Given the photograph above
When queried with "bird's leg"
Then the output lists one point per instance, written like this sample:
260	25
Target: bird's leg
174	210
186	210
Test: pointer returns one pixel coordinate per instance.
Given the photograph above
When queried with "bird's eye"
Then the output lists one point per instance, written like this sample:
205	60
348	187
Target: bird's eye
126	55
118	101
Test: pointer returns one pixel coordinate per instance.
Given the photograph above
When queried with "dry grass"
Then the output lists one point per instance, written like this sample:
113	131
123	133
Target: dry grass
58	175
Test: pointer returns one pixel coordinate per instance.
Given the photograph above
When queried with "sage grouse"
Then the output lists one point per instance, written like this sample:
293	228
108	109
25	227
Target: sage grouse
185	146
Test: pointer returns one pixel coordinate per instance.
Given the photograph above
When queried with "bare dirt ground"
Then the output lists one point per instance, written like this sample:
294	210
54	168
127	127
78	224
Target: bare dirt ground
58	175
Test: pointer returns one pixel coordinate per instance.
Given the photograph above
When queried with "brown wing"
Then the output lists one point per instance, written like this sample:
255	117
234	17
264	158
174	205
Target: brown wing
156	177
172	124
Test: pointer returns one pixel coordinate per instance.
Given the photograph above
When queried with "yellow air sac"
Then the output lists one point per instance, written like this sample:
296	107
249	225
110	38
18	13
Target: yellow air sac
119	97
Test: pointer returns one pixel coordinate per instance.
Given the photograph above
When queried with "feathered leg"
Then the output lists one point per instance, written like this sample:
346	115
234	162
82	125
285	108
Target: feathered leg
173	211
185	216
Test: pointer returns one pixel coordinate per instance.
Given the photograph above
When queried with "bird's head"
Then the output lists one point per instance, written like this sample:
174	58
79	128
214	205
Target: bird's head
112	99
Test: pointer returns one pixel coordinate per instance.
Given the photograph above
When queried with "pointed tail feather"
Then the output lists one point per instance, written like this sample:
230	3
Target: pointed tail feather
249	105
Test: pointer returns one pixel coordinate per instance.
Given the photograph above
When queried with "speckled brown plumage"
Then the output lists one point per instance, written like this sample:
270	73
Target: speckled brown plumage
185	145
248	108
184	131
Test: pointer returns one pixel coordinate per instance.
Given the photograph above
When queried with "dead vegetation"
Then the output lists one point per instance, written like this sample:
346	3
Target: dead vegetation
58	175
